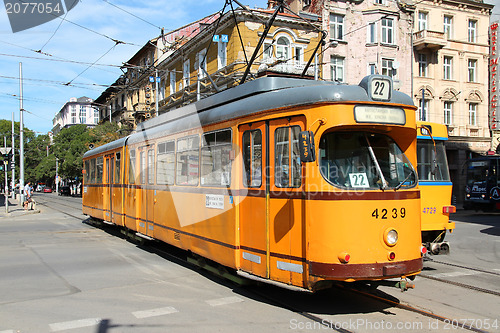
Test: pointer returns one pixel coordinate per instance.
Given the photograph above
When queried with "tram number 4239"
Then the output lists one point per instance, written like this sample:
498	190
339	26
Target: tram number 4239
385	214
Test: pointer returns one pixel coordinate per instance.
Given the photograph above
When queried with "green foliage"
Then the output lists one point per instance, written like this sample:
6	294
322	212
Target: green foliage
68	147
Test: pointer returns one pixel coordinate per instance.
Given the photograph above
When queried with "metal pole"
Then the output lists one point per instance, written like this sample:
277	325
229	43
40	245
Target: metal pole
109	113
5	163
13	162
21	134
156	94
57	176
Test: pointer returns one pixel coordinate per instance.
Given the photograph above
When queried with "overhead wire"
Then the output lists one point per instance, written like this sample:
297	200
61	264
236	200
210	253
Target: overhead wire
137	17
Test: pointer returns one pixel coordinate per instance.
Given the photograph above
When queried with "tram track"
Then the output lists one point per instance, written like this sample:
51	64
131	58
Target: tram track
325	323
411	308
460	284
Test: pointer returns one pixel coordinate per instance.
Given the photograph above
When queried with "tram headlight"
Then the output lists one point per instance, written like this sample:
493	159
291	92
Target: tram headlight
391	237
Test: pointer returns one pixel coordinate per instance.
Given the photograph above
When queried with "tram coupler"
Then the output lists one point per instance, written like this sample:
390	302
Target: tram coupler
438	248
403	284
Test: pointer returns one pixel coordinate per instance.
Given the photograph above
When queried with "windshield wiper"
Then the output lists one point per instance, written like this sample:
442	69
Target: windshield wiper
377	166
404	181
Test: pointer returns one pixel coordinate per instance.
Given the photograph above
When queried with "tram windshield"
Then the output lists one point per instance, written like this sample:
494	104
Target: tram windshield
432	164
360	160
479	172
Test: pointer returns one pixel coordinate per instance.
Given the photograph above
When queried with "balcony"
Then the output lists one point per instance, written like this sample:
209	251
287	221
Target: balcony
426	39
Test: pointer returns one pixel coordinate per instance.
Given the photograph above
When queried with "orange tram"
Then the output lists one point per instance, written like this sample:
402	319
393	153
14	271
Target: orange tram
294	182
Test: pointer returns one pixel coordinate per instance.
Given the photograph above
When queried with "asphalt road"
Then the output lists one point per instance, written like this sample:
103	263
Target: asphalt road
60	274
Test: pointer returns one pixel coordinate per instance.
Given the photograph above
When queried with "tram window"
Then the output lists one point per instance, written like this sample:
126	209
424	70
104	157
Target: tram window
432	163
99	170
188	160
87	170
215	158
252	158
142	166
357	160
151	166
287	167
165	163
117	168
92	171
131	168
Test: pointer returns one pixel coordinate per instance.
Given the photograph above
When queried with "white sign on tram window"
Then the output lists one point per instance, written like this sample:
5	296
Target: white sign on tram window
380	89
379	114
359	180
214	201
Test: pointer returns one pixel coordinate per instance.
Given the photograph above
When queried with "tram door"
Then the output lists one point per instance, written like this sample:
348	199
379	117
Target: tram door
286	204
108	192
253	217
271	225
147	176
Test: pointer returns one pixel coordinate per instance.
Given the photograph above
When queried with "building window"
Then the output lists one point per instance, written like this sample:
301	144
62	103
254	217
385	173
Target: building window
337	68
447	68
422	65
471	70
387	31
336	27
423	21
371	33
423	113
472	114
172	82
267	52
372	68
299	55
83	114
472	32
387	67
202	64
185	74
73	114
283	48
96	116
221	54
448	26
448	111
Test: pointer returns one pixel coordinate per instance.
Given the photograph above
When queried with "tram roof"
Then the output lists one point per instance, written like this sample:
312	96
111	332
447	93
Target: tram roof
259	95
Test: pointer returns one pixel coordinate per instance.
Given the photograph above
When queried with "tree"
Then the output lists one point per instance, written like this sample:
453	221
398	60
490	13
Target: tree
6	131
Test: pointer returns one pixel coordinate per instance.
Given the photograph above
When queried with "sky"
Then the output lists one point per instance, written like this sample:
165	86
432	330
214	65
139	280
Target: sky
57	56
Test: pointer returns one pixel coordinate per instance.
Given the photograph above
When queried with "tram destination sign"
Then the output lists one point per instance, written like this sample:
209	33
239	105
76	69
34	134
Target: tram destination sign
379	115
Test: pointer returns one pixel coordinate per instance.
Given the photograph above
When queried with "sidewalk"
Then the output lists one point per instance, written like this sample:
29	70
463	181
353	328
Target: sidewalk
15	209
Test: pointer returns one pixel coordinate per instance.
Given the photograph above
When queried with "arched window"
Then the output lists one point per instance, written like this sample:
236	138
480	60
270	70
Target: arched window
283	48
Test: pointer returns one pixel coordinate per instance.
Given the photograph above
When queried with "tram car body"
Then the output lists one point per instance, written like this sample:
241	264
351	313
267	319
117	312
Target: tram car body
482	189
291	181
435	186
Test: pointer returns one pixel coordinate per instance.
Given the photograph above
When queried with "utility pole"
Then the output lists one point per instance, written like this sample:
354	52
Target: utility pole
156	94
21	134
57	176
5	163
13	162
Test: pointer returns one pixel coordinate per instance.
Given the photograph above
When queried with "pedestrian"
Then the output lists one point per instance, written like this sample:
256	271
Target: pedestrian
27	195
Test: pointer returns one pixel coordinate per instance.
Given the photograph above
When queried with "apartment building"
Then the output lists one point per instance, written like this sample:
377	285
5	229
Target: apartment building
75	111
364	37
451	75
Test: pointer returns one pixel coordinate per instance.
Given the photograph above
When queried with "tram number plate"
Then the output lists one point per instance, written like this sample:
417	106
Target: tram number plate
385	214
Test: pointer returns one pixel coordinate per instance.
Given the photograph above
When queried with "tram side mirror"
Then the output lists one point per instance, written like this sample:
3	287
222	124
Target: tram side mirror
306	147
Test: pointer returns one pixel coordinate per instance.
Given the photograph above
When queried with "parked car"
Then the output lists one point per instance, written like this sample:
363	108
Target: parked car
64	190
47	189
